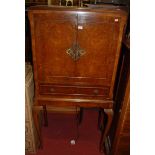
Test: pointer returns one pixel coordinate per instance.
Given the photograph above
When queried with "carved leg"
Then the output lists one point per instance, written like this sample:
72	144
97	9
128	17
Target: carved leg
109	113
37	125
45	115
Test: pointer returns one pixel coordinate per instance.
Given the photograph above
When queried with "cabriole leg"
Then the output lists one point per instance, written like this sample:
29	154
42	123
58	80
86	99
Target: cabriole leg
109	113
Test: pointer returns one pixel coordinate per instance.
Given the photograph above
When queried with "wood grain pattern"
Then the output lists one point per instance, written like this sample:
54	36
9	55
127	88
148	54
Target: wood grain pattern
89	80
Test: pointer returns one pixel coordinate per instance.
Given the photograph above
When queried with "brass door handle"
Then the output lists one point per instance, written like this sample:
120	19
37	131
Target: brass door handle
75	51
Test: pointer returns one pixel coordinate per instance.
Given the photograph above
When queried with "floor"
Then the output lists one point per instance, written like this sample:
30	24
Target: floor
62	129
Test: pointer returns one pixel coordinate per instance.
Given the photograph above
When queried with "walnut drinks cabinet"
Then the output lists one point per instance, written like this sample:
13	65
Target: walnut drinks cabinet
75	57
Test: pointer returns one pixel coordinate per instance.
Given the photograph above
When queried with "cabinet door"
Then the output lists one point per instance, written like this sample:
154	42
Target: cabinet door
53	33
98	36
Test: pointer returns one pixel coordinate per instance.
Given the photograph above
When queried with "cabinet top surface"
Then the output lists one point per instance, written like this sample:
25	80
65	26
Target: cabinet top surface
92	8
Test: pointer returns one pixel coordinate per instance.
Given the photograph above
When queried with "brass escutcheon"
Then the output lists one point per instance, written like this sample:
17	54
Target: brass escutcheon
75	51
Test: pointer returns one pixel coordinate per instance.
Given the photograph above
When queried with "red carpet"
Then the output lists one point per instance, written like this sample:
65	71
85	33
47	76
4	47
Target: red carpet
62	128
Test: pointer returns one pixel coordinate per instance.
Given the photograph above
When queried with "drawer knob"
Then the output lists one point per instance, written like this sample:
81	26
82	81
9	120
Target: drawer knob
52	90
96	91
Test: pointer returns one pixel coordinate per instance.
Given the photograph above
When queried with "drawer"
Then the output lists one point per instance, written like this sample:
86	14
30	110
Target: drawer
73	90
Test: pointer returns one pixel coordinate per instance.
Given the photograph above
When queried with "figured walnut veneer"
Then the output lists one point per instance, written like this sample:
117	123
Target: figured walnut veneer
64	76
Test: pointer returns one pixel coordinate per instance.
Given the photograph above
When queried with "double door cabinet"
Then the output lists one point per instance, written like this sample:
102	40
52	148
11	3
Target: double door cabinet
75	56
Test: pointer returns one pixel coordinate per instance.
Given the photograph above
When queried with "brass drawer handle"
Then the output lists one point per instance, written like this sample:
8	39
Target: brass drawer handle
96	91
52	90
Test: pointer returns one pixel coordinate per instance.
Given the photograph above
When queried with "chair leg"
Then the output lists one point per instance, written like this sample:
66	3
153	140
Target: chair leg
109	113
45	116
